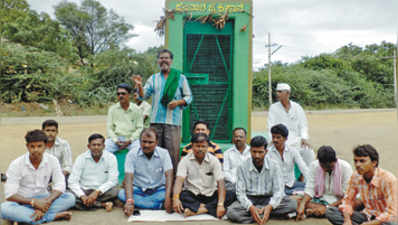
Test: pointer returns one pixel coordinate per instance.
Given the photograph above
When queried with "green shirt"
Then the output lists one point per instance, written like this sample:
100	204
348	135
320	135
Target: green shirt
124	123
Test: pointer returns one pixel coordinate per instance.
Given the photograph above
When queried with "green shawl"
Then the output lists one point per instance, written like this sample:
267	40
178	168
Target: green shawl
170	87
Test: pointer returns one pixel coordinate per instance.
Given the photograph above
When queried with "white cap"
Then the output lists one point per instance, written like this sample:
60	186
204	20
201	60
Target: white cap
282	87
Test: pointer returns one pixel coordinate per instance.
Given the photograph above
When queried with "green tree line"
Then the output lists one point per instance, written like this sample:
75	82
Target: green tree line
80	56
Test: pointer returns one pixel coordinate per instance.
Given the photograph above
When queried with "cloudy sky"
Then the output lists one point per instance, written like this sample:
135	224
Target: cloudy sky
303	28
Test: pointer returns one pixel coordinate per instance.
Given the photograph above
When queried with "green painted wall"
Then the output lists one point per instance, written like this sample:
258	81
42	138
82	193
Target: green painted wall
240	12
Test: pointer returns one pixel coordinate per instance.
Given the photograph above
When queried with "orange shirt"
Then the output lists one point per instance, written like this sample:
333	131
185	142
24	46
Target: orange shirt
379	196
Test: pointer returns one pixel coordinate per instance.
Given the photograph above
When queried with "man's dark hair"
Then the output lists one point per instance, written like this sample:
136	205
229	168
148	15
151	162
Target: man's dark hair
280	129
49	123
148	131
196	138
95	136
201	122
161	51
239	128
258	141
326	154
367	150
35	135
125	86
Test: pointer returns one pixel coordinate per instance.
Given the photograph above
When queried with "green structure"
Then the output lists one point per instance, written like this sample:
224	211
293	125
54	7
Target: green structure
212	44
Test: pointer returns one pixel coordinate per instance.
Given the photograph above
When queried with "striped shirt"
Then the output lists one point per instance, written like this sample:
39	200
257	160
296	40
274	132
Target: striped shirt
213	148
379	196
268	182
154	87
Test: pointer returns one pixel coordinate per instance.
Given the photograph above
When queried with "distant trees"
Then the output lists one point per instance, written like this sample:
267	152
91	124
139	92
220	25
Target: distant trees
93	28
350	77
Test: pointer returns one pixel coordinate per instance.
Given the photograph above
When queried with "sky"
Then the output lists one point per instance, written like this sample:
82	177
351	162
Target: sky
302	27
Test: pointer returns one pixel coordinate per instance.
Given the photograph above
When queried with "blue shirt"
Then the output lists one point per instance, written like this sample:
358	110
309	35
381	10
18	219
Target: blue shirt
148	173
154	87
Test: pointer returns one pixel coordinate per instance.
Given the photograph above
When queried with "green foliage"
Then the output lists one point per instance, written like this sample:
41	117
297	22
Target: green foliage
351	77
92	27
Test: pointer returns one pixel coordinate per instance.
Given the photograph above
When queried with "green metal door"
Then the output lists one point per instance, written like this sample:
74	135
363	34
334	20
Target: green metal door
207	65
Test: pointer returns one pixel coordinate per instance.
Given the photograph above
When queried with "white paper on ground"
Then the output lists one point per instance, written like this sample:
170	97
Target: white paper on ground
163	216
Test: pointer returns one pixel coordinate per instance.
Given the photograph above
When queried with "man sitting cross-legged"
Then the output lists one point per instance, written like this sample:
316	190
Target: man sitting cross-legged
377	189
149	176
94	176
286	157
259	188
327	181
204	190
234	156
27	197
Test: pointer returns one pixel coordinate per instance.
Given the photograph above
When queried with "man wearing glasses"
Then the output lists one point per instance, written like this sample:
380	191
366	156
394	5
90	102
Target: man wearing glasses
124	122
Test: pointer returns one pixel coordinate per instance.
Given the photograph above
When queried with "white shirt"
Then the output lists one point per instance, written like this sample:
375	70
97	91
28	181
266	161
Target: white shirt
232	159
23	179
290	157
88	174
346	172
295	121
146	110
61	150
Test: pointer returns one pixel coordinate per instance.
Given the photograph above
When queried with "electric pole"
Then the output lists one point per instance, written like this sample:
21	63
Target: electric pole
270	53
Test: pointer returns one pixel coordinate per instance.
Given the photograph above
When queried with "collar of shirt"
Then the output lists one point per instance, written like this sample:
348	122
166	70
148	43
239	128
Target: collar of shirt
89	156
44	161
155	152
247	149
253	168
273	149
192	157
375	182
130	108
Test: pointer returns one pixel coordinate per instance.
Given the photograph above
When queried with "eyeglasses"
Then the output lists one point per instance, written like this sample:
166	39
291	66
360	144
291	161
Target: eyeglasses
121	93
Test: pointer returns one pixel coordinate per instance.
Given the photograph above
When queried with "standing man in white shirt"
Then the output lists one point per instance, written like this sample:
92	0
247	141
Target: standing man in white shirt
94	176
234	156
57	146
287	157
328	181
291	114
27	197
145	108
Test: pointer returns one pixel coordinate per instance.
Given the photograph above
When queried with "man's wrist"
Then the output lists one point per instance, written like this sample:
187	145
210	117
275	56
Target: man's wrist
130	201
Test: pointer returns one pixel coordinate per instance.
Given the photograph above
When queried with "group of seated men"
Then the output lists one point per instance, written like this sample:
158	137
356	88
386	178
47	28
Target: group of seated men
247	183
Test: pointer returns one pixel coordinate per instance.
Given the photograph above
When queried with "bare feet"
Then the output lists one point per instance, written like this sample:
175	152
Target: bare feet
108	206
63	216
188	212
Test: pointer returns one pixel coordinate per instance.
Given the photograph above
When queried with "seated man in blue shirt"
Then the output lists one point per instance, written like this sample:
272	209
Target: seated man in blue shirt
94	176
149	176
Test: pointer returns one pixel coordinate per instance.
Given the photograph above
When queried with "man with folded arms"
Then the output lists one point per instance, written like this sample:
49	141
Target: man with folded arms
377	189
149	176
259	188
94	176
201	174
328	180
27	197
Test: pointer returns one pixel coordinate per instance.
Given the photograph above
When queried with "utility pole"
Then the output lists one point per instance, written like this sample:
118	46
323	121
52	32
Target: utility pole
270	53
269	70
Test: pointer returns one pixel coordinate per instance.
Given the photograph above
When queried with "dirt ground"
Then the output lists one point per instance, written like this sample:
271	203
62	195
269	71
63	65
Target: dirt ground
343	131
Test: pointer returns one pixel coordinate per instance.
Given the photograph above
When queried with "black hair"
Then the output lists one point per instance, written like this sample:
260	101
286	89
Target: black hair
161	51
49	123
95	136
125	86
201	122
35	135
239	128
258	141
280	129
196	138
148	131
326	154
367	150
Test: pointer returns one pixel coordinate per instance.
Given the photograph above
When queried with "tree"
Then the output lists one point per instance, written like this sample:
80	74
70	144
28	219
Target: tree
92	27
